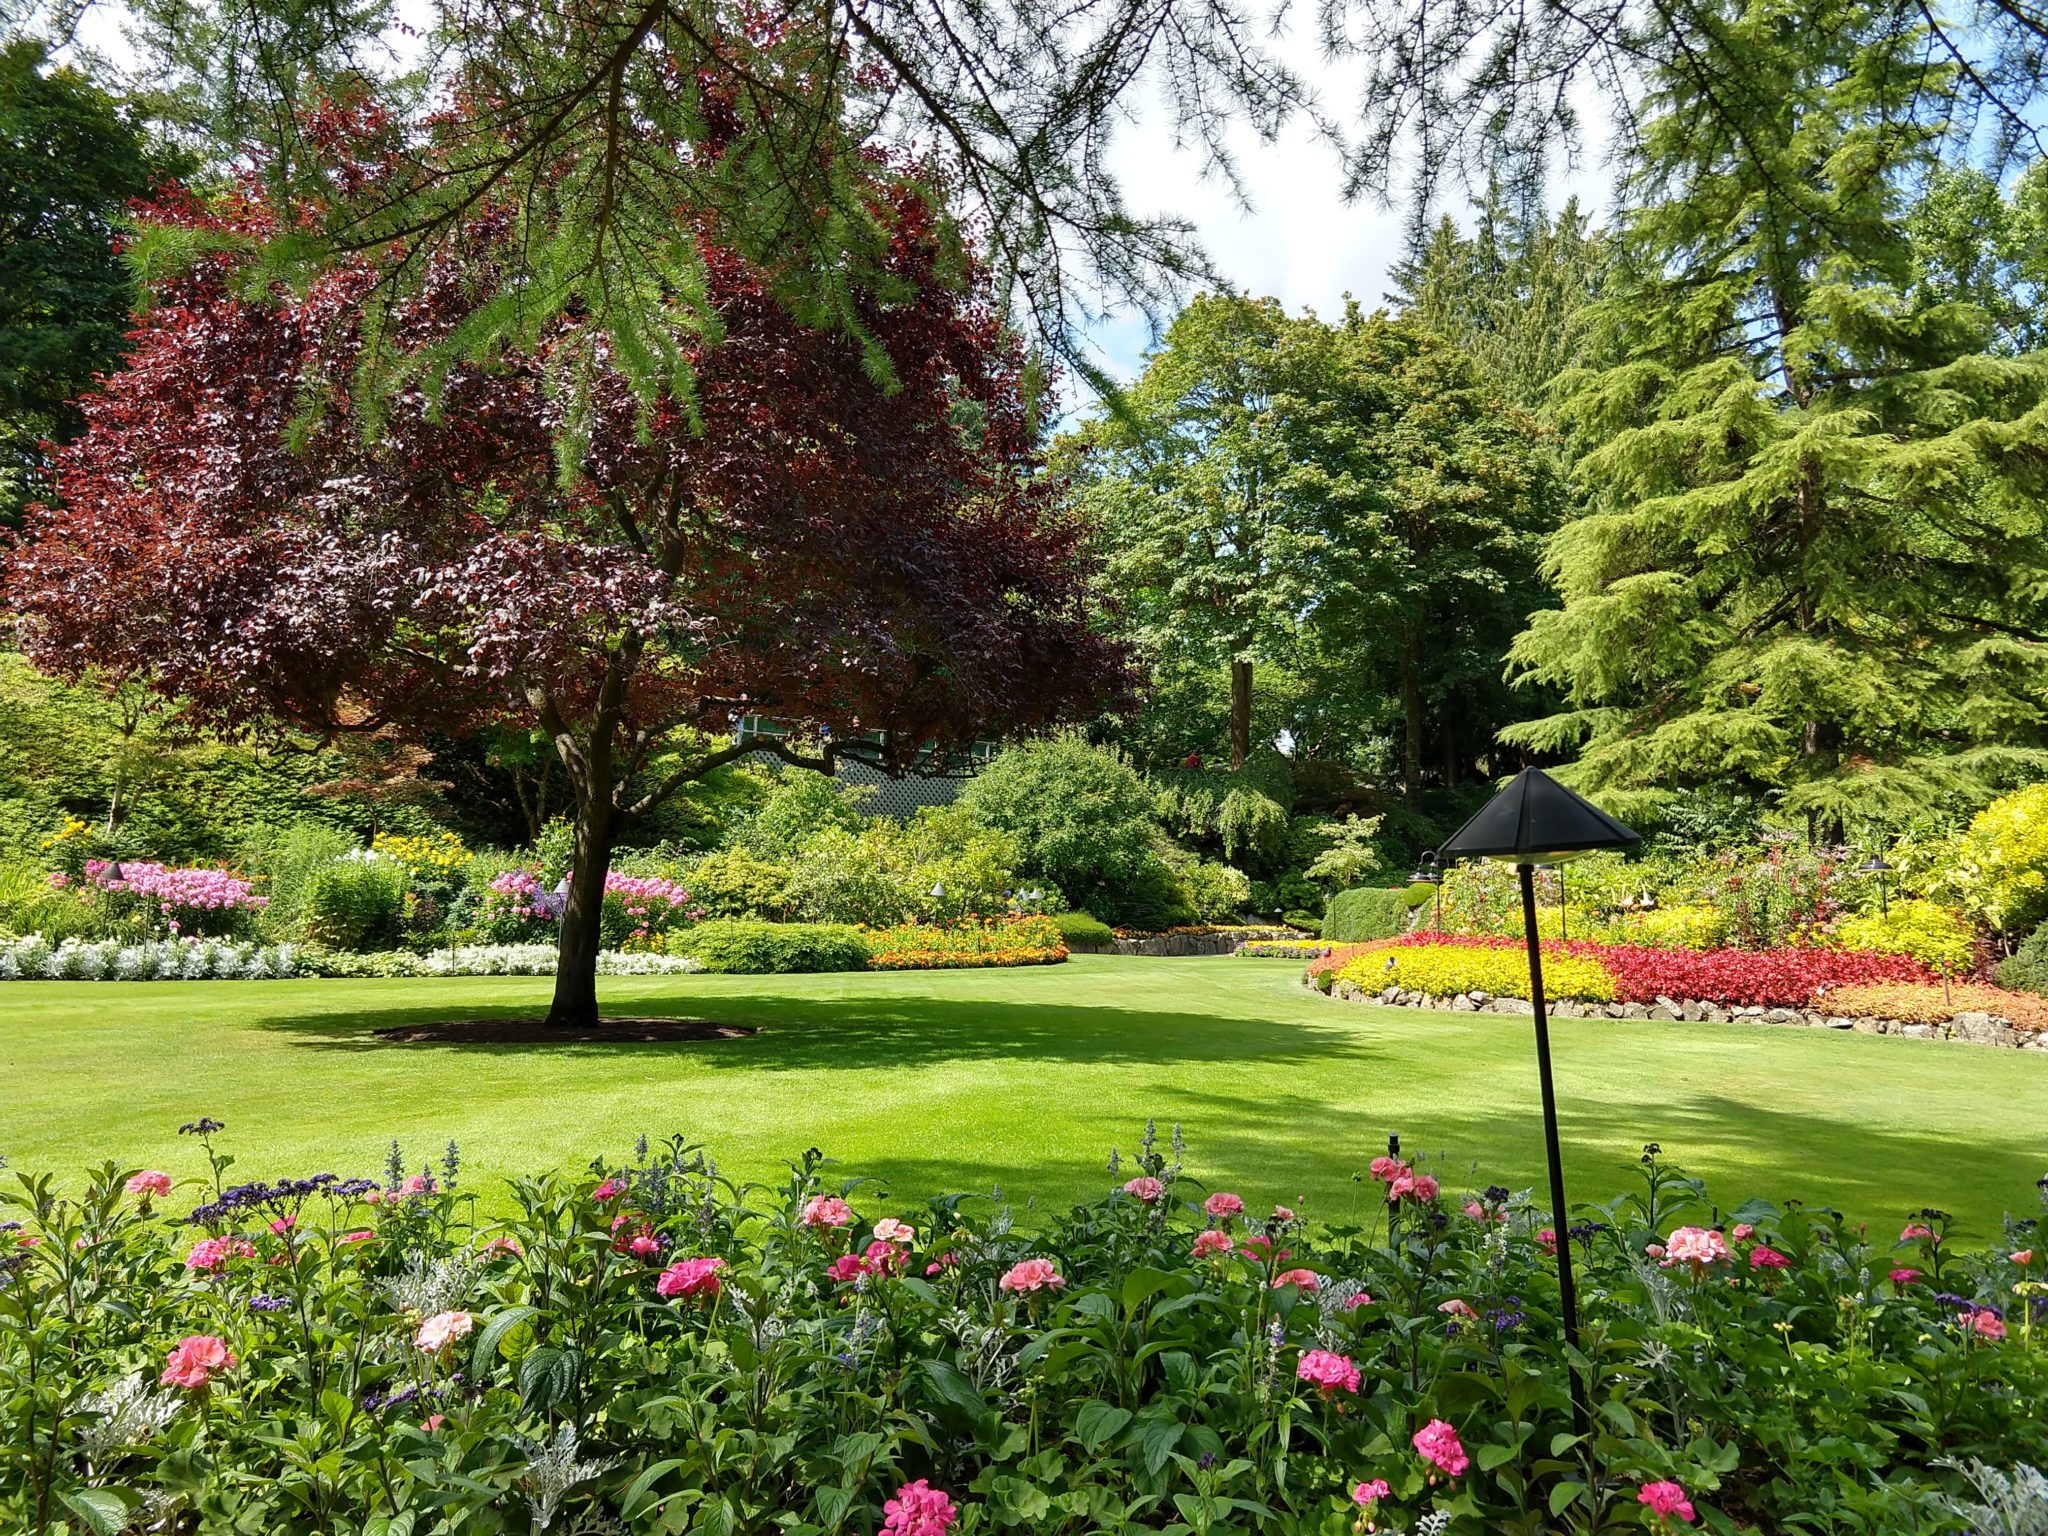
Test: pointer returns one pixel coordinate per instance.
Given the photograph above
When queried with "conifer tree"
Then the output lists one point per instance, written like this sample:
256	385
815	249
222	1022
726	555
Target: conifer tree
1814	558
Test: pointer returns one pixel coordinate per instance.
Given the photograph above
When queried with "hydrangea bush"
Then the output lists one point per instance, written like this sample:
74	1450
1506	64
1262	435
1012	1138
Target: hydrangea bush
651	1348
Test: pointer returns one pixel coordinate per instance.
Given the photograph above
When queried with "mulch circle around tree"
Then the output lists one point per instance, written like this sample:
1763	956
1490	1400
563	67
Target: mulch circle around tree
535	1031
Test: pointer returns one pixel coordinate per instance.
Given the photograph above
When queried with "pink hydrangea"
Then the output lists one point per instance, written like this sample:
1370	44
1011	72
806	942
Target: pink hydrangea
1697	1246
1031	1275
1145	1188
1437	1443
697	1277
149	1182
1327	1371
1210	1242
1307	1281
918	1509
1667	1501
821	1211
441	1330
1904	1276
1223	1204
195	1360
210	1253
1762	1257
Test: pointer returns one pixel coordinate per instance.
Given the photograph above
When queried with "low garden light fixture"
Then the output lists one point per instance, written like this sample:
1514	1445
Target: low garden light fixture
1536	820
1426	874
1875	865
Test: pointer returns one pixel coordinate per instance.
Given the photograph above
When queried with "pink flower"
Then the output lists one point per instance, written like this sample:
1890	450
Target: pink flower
441	1330
1365	1495
1410	1185
416	1185
610	1189
1987	1324
1914	1232
1904	1276
847	1267
690	1277
1742	1232
918	1509
942	1263
1384	1169
2023	1258
1356	1300
890	1230
884	1258
1210	1242
1327	1371
1546	1239
1462	1310
1654	1250
644	1246
1031	1275
149	1182
1697	1246
1438	1444
822	1211
1307	1281
194	1361
1283	1213
500	1244
283	1224
356	1237
433	1421
1666	1500
1145	1188
1223	1203
1761	1257
210	1253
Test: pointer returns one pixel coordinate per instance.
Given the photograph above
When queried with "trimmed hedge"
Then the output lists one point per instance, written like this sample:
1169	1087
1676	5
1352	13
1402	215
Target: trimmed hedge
2026	969
1364	913
1080	931
740	946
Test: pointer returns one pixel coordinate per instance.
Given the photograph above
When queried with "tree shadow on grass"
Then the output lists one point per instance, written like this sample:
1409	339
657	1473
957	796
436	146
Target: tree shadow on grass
849	1033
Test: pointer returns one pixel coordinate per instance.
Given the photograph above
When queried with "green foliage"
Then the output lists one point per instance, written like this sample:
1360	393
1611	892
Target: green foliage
30	904
937	866
1353	854
740	947
1997	869
289	863
1931	934
1080	931
353	904
734	883
1815	559
1082	818
795	807
1215	893
1364	913
2026	968
1225	812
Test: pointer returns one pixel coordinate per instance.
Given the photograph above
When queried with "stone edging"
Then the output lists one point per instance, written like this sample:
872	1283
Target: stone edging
1967	1028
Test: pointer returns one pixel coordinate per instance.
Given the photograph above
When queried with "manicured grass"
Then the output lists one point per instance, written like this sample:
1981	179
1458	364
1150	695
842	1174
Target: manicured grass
964	1079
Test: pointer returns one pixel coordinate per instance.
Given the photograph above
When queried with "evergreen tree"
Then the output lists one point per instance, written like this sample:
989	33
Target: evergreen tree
1815	557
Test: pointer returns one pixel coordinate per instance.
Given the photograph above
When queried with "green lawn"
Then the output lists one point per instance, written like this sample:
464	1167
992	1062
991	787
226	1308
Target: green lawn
947	1080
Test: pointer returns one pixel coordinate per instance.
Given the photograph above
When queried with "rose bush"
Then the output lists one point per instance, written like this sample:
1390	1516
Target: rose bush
649	1348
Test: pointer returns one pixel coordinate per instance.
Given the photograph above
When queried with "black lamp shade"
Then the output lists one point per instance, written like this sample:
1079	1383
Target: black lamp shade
1536	820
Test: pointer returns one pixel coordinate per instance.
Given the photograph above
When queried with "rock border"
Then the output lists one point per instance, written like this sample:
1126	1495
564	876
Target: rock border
1964	1028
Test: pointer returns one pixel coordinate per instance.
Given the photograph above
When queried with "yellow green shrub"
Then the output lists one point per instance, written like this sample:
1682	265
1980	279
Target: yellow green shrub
1999	866
1443	970
1675	927
1931	934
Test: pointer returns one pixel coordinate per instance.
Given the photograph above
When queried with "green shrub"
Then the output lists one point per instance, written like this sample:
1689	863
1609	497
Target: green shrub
1084	932
736	946
354	904
1083	819
290	862
734	883
798	804
30	904
1215	892
2026	969
1368	912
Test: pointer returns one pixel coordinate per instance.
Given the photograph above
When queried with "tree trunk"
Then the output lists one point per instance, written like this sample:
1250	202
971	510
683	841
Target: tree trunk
1240	712
1411	711
575	1001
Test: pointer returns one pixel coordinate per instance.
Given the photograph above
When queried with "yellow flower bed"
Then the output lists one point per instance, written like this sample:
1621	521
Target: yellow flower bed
1443	970
441	854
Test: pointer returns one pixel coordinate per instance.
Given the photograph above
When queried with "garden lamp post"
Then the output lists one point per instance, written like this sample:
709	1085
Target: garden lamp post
1875	865
1426	874
1536	820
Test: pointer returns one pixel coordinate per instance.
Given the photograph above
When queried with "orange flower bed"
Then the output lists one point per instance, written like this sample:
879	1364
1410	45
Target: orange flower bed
1919	1003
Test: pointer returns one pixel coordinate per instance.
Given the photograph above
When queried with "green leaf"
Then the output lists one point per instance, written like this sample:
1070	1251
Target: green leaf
1098	1422
494	1332
629	1504
545	1377
1155	1441
1491	1456
1140	1285
954	1387
1563	1496
100	1508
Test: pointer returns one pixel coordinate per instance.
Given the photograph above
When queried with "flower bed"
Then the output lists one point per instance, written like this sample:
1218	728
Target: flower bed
1015	941
35	958
649	1347
1283	949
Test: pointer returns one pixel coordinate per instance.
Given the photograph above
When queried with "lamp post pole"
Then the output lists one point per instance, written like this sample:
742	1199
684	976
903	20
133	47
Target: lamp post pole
1568	1293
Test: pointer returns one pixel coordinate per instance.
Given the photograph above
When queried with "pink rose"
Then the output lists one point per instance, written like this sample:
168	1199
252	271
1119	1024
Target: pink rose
1761	1257
1307	1281
696	1277
441	1330
1667	1501
149	1182
890	1230
1327	1371
1210	1242
1223	1204
1438	1444
1031	1275
826	1211
195	1360
1987	1324
1145	1188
